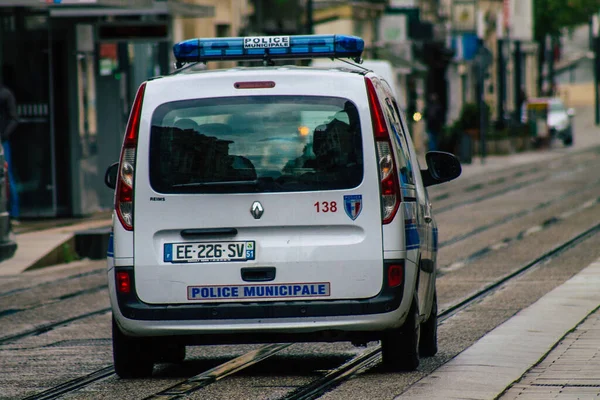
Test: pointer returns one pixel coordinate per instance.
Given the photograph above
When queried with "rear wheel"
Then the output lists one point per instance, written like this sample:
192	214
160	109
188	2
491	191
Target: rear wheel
132	356
400	347
428	343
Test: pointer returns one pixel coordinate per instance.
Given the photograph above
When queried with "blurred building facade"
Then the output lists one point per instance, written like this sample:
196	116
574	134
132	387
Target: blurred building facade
467	25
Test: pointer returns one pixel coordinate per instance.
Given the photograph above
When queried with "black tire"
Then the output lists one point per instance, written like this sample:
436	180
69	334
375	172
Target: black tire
132	356
428	345
568	141
170	353
400	347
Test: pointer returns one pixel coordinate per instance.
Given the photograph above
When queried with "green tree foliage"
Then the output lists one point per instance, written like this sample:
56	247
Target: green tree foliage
553	15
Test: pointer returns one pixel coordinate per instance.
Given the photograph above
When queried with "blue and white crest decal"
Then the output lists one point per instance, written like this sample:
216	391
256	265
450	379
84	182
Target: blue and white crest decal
353	205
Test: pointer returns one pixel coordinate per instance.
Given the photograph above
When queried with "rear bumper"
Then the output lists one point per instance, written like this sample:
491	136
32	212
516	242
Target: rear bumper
263	322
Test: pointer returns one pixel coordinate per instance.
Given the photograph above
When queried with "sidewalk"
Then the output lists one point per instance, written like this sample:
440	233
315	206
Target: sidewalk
49	242
570	371
570	357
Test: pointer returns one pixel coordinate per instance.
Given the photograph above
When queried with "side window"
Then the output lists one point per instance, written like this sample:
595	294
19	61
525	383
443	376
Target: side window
405	164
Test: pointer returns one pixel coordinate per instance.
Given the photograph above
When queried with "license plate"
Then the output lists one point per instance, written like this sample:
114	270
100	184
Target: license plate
194	252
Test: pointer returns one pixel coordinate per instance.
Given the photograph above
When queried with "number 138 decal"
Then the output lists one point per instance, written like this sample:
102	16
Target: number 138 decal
326	206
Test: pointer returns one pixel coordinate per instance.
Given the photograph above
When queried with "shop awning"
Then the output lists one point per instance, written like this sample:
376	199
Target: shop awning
178	8
78	3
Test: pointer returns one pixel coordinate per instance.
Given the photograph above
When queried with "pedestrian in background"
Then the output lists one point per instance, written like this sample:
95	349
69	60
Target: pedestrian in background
8	124
434	120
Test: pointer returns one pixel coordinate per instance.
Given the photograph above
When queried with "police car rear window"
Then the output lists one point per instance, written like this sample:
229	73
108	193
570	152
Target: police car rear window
255	144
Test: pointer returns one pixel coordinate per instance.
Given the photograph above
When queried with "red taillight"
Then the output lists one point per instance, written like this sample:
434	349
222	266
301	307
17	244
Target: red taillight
123	282
133	124
390	188
395	275
379	125
124	198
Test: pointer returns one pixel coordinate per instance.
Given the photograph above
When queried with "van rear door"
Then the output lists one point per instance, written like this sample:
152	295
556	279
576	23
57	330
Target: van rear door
255	198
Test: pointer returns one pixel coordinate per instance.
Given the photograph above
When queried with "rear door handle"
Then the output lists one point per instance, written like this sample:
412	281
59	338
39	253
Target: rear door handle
428	217
187	233
258	274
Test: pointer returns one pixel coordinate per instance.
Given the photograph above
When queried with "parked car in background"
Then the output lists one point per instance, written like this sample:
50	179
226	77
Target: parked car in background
553	117
8	246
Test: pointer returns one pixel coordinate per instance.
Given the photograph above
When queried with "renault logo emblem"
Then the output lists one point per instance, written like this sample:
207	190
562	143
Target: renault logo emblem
257	210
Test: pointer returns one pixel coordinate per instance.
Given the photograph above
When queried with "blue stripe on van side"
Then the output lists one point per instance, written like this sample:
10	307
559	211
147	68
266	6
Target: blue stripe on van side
110	251
411	233
412	236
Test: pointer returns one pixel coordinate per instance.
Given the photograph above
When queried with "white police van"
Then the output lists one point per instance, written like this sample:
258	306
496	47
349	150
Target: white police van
271	204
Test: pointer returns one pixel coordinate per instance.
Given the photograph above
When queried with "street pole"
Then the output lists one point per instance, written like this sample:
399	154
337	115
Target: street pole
500	68
482	114
481	67
259	12
501	78
550	55
463	84
597	77
517	80
591	34
595	31
309	17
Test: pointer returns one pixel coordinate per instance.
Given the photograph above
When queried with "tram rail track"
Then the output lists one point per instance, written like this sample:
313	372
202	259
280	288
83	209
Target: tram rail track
82	292
38	330
500	191
73	385
65	279
498	177
182	388
546	224
515	216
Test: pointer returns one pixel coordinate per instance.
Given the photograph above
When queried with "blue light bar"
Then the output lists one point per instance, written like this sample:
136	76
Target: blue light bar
268	48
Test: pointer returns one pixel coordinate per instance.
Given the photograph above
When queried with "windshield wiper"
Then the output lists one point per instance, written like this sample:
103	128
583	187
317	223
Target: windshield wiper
223	183
266	184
